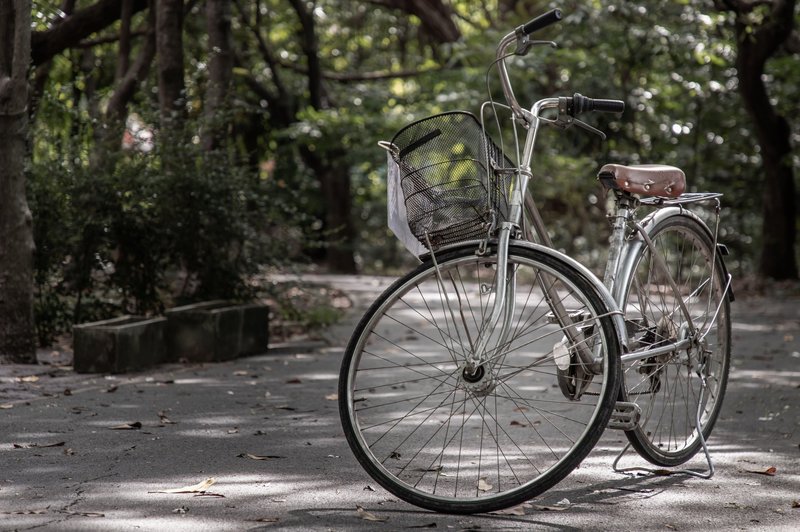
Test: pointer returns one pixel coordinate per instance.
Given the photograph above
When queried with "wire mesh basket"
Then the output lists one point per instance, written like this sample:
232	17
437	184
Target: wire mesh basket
450	178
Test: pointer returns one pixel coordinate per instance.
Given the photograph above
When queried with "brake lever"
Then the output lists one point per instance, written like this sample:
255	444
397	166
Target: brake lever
590	129
524	44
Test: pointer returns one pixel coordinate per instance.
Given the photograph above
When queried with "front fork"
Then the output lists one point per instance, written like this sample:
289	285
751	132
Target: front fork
494	334
503	308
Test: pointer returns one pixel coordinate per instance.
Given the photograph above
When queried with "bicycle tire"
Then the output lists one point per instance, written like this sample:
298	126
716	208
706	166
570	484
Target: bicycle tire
667	388
431	437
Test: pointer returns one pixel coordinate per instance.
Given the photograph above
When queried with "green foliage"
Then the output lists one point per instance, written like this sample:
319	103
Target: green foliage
128	236
129	231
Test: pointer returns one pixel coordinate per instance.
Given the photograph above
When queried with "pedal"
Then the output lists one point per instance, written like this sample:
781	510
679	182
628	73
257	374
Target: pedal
625	416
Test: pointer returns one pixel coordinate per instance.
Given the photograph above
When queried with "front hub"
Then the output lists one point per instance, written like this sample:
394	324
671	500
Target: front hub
479	382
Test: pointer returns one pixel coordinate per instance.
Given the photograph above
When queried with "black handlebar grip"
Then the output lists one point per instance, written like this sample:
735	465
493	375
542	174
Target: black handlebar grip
609	106
582	104
540	22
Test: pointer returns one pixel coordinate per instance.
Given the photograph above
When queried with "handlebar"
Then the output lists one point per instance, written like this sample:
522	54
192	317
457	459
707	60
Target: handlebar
581	104
542	21
572	106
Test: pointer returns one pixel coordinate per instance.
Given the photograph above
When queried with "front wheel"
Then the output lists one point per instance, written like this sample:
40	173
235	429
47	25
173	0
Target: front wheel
667	387
451	439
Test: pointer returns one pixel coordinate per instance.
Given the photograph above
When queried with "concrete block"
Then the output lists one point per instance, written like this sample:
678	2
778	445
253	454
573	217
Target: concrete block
119	345
214	331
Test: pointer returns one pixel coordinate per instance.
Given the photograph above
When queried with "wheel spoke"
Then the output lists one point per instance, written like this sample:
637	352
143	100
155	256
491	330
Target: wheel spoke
502	433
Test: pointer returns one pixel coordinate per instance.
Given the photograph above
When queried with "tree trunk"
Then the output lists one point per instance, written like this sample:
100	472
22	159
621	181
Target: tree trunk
136	73
124	54
334	178
169	47
329	167
110	130
16	236
755	45
220	70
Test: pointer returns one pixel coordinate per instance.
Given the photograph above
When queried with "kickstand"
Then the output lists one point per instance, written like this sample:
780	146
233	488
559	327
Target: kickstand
706	474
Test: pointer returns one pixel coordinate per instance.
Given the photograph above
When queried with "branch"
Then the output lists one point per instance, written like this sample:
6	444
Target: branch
266	54
352	77
91	43
435	16
135	73
76	27
741	7
124	38
792	44
310	46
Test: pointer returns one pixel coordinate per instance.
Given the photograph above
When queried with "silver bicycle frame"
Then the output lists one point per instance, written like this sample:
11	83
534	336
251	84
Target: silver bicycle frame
505	281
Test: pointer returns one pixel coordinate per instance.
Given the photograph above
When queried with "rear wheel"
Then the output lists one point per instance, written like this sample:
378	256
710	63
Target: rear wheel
449	439
667	387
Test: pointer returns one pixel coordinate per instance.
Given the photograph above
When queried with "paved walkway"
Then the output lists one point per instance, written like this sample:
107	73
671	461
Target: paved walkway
98	452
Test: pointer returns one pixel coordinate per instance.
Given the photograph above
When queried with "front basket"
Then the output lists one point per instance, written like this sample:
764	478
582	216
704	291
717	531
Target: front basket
449	178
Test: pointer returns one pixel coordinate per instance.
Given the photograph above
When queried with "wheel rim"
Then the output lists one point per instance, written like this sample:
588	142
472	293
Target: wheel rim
668	388
434	429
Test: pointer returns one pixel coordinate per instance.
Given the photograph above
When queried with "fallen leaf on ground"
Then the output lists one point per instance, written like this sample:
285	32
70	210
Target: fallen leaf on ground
200	487
332	397
69	452
483	485
128	426
265	520
6	406
259	456
514	510
111	389
426	469
294	381
57	444
86	514
164	419
36	445
28	378
368	488
241	373
369	516
770	471
796	504
560	506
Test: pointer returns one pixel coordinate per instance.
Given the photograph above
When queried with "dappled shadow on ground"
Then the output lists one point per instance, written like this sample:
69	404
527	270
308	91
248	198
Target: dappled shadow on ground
266	429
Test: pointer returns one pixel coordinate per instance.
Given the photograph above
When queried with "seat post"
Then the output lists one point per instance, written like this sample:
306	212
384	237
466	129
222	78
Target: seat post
623	203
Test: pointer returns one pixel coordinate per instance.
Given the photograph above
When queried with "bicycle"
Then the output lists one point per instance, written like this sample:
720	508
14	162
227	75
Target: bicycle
486	375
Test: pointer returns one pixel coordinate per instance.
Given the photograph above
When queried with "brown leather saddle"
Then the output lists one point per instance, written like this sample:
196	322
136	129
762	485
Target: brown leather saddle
644	179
